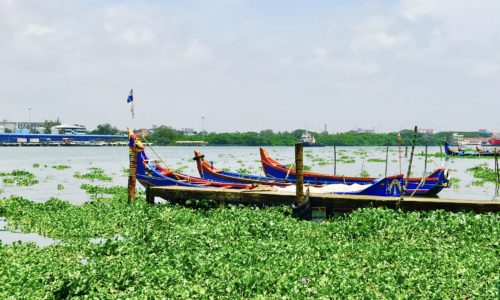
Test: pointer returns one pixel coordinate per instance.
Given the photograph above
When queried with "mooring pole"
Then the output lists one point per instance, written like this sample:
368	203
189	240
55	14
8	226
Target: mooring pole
406	151
386	157
411	155
497	166
425	163
132	154
334	159
299	173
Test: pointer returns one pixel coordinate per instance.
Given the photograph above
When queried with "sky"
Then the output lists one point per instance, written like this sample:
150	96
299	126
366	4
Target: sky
246	65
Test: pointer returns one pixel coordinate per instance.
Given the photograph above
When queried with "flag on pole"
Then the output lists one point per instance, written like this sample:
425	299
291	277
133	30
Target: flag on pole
130	101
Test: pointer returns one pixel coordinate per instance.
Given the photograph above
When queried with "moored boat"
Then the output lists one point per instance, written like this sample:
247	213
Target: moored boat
308	140
421	186
468	152
150	173
390	186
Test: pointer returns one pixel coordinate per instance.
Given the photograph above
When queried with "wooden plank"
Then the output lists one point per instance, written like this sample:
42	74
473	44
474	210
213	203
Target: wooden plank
332	201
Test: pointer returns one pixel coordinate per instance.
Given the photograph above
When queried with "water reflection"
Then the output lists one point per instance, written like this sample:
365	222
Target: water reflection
10	237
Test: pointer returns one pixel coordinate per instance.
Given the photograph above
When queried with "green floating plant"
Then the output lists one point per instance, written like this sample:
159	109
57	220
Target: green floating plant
19	178
94	174
61	167
177	252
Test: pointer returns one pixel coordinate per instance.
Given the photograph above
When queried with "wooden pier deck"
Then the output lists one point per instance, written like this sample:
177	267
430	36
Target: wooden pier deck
328	202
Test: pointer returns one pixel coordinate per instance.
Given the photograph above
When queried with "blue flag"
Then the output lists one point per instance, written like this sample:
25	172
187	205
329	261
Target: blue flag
130	97
130	100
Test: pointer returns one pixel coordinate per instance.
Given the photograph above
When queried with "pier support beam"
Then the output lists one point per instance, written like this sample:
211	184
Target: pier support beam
132	173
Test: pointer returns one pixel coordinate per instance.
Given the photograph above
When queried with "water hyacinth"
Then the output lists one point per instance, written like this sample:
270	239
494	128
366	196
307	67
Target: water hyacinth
19	178
168	251
94	174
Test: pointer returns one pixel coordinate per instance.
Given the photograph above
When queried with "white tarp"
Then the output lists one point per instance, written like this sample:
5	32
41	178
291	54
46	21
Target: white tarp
328	189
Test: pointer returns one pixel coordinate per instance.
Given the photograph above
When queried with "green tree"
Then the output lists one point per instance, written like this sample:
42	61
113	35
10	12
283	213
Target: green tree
105	129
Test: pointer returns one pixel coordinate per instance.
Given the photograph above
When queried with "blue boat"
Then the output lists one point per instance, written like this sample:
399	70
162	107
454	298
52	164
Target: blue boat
462	152
390	186
420	186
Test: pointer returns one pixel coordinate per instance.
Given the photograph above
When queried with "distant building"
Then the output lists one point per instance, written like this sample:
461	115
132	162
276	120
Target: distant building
483	131
188	131
31	126
361	130
426	131
12	126
68	129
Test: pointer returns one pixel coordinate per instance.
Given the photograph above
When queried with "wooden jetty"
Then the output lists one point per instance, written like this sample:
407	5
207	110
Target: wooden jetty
327	202
304	206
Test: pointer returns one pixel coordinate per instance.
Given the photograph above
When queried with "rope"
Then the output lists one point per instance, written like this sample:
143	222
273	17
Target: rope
161	159
289	169
419	185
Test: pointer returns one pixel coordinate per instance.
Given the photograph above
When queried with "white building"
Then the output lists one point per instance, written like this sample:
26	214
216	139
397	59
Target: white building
68	129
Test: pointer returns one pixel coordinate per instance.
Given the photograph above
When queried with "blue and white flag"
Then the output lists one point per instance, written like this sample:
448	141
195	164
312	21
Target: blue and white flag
130	100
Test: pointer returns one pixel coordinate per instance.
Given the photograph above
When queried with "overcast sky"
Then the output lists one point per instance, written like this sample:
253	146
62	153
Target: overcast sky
253	65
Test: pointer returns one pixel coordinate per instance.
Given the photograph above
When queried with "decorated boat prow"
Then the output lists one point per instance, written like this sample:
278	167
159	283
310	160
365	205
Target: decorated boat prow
391	186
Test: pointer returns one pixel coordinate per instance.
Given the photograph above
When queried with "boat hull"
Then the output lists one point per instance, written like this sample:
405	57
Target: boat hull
390	186
427	186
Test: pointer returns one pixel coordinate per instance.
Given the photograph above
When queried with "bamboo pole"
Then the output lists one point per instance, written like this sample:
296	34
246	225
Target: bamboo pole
334	159
411	155
132	173
386	158
299	173
425	163
496	166
399	152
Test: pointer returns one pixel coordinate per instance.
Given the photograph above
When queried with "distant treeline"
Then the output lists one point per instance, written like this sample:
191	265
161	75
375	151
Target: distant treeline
167	136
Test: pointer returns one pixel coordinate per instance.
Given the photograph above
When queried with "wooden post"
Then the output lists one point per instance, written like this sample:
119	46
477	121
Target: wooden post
132	173
425	163
334	159
150	198
411	155
497	166
299	173
406	151
386	158
440	149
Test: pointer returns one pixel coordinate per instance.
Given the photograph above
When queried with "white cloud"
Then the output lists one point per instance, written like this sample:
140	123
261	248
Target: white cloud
379	41
38	30
197	52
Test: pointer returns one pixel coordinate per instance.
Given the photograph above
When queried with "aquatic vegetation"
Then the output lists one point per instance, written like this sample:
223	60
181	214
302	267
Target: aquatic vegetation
36	165
376	160
484	173
478	182
346	159
168	251
94	174
19	178
61	167
125	171
181	169
104	190
60	187
454	182
364	174
243	171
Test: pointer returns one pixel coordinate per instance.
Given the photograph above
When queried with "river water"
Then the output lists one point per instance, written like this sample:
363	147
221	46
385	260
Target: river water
352	161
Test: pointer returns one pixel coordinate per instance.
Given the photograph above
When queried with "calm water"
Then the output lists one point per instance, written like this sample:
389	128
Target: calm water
115	159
